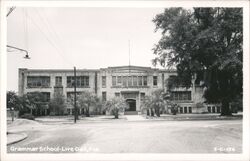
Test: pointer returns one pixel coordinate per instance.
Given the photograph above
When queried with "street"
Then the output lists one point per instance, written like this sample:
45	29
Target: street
120	136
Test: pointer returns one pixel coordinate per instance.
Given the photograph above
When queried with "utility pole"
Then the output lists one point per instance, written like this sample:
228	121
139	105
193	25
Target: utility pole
76	112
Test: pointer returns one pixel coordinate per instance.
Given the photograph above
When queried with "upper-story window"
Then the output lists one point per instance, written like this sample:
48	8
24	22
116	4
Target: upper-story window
104	81
119	80
155	80
113	80
145	80
58	81
124	81
81	81
140	80
38	81
135	80
129	81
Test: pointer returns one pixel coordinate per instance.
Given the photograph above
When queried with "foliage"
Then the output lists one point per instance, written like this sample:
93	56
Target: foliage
57	105
174	108
116	105
86	100
37	102
155	102
13	101
206	42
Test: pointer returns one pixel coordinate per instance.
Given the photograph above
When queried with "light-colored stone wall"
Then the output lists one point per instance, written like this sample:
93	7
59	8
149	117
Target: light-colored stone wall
95	76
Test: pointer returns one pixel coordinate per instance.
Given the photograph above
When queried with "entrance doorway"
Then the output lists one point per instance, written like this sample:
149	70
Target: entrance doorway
131	104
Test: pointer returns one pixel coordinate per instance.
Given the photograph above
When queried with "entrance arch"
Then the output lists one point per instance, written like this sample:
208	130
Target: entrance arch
131	104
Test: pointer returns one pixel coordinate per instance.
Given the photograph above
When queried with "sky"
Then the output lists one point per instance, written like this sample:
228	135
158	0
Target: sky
87	38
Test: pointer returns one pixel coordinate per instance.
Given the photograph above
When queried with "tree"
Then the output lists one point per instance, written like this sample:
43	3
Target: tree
38	102
57	105
13	101
207	43
116	105
154	103
86	100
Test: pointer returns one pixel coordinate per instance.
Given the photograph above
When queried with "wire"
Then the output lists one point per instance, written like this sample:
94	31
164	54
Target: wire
51	42
51	31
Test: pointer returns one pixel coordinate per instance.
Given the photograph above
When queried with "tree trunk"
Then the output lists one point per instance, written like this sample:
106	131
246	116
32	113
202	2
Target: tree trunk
116	115
157	111
152	112
87	112
147	112
225	110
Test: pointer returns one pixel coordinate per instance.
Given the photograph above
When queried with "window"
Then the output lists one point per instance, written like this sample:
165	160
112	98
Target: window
119	80
181	95
145	81
104	96
103	81
140	80
189	109
117	94
155	80
142	96
209	109
185	109
134	80
81	81
58	81
124	83
38	81
129	80
181	109
113	80
213	109
46	96
218	109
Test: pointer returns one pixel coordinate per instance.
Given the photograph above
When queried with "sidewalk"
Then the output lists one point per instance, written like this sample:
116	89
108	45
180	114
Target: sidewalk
135	118
193	116
15	137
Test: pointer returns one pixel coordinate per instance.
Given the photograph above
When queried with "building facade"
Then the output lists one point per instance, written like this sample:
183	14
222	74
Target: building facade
131	82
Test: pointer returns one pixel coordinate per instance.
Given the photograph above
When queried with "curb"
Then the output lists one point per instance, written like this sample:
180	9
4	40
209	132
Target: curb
23	137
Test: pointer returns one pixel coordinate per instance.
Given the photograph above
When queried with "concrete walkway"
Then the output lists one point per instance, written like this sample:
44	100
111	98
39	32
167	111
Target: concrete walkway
15	137
135	117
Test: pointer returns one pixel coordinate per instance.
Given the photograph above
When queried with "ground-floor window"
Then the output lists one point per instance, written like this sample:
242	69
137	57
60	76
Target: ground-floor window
104	96
181	109
189	109
185	109
209	109
218	109
213	109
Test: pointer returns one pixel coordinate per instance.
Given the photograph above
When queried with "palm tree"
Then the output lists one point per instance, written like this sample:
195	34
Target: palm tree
116	105
154	103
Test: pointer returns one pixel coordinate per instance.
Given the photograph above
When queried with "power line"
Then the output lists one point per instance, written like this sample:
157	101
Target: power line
52	33
51	42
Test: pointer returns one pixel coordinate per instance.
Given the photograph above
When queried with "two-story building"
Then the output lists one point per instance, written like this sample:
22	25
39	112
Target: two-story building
131	82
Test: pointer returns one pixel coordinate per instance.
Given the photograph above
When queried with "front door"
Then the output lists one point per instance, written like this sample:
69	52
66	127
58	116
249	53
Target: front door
131	104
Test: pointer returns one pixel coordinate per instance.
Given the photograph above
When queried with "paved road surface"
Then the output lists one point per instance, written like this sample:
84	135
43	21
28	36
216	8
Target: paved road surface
221	136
